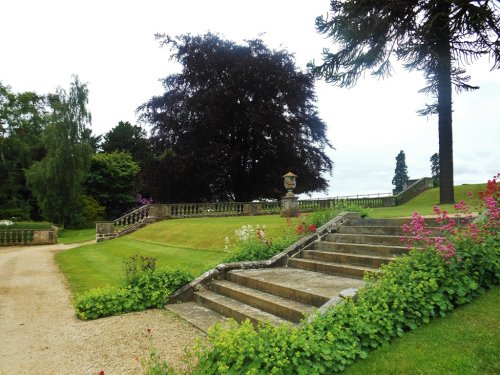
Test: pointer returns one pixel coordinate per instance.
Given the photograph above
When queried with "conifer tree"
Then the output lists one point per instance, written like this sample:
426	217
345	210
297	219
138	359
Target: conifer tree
401	178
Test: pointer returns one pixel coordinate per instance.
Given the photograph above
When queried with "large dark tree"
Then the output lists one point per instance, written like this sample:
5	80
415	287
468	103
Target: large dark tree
233	121
437	37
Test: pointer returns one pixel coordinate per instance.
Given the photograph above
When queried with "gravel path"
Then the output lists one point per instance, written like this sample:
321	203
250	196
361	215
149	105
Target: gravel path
41	335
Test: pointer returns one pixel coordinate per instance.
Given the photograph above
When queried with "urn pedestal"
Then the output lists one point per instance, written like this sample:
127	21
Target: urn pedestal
289	203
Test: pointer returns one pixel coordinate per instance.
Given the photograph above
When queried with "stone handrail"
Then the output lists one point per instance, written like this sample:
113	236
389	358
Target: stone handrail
413	190
362	201
132	218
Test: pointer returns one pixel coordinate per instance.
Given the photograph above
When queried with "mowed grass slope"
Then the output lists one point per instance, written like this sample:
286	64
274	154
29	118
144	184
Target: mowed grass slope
193	244
425	202
464	342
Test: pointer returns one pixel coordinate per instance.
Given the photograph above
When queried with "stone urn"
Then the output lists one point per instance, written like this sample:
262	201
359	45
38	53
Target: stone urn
290	184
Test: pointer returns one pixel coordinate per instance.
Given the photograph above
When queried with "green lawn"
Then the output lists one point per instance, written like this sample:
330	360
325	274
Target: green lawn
425	202
194	244
68	236
467	342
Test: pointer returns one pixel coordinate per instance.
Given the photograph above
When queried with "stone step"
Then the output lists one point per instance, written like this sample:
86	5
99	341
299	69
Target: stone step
371	261
235	309
374	239
380	230
386	222
362	249
199	316
312	288
339	269
283	307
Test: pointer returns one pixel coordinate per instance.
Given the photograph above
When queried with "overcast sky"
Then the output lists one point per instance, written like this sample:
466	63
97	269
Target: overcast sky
110	45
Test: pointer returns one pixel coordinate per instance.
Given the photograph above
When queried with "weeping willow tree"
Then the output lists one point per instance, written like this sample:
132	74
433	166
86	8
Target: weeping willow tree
56	181
436	37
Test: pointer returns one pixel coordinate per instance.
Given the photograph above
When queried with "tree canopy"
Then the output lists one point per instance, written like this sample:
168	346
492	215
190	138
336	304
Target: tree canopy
233	121
57	180
126	137
23	117
111	182
437	37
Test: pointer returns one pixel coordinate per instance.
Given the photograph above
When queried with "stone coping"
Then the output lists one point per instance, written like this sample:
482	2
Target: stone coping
186	292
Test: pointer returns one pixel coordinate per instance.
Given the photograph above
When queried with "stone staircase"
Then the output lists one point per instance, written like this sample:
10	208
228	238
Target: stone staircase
319	274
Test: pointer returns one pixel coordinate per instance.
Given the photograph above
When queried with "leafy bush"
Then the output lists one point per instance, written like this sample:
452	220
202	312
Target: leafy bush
92	210
135	266
149	290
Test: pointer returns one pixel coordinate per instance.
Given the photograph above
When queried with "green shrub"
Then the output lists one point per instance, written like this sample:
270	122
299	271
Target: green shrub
254	249
135	266
408	293
150	290
92	210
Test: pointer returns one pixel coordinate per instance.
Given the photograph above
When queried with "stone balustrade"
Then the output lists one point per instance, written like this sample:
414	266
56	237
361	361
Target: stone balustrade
154	212
19	237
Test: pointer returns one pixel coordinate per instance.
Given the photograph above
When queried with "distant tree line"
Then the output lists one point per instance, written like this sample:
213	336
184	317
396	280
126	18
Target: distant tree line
229	125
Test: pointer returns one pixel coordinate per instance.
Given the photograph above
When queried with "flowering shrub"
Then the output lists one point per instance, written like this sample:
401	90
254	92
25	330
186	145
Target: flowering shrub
142	201
450	227
254	244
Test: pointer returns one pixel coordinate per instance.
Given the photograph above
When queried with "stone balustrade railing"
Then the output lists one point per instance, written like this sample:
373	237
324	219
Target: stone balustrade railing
413	190
154	212
17	237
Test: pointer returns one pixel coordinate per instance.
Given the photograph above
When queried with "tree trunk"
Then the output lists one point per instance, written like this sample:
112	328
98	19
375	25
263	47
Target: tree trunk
443	76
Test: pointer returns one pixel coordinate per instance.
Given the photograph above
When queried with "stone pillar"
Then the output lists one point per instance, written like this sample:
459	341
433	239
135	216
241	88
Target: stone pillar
104	230
289	203
289	206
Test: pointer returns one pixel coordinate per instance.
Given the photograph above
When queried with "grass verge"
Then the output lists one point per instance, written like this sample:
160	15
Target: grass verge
464	342
67	236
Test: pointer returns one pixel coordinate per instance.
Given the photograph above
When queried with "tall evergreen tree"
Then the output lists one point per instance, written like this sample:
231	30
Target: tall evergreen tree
56	181
400	180
437	37
233	121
